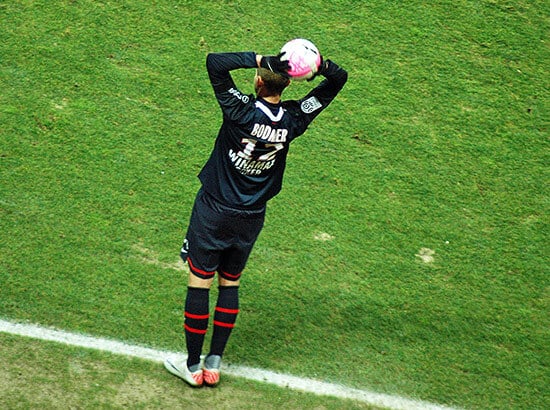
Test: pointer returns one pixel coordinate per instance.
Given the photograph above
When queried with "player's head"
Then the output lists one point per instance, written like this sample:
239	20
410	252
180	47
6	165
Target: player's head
267	83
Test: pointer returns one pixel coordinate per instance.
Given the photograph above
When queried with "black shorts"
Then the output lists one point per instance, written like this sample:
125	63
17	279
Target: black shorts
220	238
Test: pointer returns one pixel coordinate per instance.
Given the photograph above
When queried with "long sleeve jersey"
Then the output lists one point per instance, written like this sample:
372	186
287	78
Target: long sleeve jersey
247	163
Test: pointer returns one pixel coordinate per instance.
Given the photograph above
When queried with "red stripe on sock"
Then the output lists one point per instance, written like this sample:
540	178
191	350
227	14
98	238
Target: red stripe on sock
193	330
193	316
224	310
223	324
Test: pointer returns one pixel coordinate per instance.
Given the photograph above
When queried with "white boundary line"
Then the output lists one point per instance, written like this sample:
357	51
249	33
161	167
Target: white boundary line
265	376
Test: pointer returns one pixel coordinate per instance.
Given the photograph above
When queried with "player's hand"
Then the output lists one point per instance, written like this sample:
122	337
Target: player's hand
322	67
275	64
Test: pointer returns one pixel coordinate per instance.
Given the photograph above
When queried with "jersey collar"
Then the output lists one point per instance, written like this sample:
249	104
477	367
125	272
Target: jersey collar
267	111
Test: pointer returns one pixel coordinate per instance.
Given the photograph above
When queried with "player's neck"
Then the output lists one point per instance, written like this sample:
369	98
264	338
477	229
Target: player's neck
273	99
263	93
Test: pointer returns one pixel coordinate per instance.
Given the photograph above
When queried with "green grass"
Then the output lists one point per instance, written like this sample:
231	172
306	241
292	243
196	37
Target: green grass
63	377
438	141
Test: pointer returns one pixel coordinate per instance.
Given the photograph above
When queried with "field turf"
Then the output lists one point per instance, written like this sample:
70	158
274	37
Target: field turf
408	250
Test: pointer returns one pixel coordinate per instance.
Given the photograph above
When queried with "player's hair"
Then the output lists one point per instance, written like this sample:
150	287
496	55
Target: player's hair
274	83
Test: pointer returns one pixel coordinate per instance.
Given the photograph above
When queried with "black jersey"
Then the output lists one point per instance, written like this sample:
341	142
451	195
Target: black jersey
246	166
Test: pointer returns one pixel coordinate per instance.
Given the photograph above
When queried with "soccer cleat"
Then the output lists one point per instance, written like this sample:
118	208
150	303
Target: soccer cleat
211	370
179	368
211	377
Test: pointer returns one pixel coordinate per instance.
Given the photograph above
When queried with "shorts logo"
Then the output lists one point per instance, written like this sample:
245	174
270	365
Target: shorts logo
310	105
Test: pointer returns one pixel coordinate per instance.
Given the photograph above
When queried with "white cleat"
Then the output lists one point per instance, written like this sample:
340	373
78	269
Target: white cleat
179	368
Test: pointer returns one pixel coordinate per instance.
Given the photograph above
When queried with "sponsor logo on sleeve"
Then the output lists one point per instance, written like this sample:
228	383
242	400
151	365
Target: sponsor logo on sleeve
237	94
310	105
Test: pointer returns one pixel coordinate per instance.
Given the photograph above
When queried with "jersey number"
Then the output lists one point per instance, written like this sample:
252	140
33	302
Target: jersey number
250	146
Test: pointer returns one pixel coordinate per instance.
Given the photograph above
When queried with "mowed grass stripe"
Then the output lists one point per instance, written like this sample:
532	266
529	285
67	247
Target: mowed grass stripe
261	375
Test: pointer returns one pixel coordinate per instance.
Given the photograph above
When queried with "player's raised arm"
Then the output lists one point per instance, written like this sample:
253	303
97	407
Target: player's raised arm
323	94
219	65
335	79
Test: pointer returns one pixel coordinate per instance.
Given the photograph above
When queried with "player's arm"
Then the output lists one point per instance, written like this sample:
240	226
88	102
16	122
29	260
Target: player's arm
321	96
234	104
219	66
335	79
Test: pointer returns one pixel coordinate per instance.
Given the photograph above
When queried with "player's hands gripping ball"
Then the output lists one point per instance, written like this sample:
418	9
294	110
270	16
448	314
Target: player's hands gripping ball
275	64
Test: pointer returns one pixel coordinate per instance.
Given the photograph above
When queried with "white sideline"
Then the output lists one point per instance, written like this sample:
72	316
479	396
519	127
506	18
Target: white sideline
265	376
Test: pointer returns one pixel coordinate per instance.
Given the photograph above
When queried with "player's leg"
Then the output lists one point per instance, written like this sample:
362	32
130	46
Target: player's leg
225	315
232	263
196	317
203	263
202	260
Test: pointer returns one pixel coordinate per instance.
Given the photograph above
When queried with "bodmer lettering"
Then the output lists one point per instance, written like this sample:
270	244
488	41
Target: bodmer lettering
266	133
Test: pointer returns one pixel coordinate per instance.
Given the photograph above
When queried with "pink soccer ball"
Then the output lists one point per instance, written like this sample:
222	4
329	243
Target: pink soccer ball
303	57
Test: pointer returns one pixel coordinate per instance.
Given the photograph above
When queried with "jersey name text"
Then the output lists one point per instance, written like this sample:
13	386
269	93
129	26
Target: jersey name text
266	133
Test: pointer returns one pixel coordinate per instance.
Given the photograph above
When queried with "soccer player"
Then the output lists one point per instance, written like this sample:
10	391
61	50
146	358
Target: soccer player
244	171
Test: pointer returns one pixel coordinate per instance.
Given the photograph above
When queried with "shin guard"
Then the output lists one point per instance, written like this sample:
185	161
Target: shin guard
225	315
196	323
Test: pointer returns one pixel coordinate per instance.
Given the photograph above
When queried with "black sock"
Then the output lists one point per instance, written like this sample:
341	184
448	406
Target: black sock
225	315
196	322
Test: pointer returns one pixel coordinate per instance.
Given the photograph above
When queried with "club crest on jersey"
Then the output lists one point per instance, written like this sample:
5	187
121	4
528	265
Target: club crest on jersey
310	105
